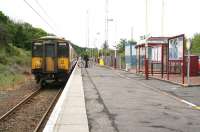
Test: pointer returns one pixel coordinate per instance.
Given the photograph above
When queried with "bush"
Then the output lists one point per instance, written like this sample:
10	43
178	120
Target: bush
12	50
3	60
2	68
12	63
7	79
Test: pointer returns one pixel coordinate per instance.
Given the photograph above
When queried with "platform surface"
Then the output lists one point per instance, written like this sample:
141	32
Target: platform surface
69	114
119	101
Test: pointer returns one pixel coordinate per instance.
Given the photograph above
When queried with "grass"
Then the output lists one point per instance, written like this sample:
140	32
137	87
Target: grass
9	80
13	62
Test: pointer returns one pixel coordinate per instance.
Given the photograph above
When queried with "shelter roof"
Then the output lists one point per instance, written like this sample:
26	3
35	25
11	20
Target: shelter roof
155	40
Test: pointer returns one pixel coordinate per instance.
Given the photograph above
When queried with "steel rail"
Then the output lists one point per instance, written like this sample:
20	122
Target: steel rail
19	104
47	111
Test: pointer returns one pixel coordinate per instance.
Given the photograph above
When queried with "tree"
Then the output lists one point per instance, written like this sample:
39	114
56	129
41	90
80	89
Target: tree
105	48
4	35
105	45
79	50
19	33
3	18
121	46
196	44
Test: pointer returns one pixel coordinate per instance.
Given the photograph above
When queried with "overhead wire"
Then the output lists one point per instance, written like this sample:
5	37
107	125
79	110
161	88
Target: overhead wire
40	16
45	12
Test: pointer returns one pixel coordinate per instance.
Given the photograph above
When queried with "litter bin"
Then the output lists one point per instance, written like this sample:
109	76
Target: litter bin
194	65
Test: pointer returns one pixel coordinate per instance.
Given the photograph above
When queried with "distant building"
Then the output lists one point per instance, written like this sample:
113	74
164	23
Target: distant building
130	55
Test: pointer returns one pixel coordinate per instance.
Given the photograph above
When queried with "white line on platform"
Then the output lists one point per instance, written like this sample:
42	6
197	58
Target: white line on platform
177	98
190	104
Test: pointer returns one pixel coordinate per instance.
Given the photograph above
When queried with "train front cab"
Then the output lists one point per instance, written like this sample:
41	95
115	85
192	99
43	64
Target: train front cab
50	61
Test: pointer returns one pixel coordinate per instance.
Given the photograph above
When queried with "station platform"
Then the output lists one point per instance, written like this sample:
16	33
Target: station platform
120	101
69	114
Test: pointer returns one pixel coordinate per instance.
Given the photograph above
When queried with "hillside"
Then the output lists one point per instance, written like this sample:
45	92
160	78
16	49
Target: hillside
14	65
15	46
15	50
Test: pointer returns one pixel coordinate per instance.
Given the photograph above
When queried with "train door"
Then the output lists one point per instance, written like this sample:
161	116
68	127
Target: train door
50	55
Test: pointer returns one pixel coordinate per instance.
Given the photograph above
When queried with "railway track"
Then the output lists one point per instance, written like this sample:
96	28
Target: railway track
30	113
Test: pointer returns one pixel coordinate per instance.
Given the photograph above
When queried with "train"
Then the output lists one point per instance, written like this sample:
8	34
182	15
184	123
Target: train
53	59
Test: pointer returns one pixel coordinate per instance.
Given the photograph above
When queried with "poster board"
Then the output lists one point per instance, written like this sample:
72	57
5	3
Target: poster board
176	48
176	54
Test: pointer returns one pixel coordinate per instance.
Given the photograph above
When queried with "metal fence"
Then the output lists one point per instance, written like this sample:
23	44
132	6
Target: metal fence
110	61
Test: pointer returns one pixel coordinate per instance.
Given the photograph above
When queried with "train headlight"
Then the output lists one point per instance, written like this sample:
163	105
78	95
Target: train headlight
62	62
38	64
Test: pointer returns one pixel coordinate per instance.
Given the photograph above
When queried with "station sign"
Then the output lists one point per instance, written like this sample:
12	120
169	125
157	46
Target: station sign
62	44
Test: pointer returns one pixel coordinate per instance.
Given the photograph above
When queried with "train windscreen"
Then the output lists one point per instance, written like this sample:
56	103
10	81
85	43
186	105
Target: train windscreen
37	49
63	50
50	50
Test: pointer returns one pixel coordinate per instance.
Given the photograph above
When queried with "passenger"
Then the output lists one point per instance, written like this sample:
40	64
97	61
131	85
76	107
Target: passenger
86	60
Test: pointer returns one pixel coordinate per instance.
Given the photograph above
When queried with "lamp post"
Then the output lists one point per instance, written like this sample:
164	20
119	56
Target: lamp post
162	17
108	20
188	46
97	39
146	39
146	57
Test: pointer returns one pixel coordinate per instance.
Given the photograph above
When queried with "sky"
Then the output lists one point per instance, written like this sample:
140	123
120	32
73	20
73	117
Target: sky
69	18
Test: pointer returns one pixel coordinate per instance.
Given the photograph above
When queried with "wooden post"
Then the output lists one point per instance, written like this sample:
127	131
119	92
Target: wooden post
136	59
183	67
139	60
151	68
146	68
162	60
167	60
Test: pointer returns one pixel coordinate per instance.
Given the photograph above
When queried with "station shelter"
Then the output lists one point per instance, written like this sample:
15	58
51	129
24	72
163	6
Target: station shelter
163	57
154	49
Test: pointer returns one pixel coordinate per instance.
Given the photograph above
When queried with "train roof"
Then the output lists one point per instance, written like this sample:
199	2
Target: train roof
51	38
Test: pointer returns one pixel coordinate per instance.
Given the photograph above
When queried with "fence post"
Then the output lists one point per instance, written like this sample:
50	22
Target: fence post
146	69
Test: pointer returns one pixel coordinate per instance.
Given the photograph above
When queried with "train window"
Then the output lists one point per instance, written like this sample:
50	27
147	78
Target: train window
50	51
37	49
62	49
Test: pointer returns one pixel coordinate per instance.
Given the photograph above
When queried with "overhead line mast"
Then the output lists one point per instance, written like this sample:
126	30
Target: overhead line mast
162	18
146	17
87	29
106	22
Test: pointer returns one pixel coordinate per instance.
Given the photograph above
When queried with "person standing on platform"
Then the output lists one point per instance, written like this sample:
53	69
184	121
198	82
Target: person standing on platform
86	59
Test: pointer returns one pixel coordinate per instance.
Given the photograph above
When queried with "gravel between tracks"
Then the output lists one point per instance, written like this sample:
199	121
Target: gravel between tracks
26	118
10	97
